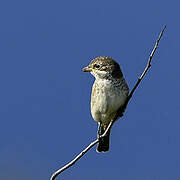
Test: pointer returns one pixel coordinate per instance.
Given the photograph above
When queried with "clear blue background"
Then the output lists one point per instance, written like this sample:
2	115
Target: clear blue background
45	98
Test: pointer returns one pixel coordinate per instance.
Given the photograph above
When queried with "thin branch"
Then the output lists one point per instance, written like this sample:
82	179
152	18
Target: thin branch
148	64
59	171
82	153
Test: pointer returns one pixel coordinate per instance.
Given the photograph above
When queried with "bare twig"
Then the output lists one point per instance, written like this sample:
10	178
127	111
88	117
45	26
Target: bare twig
74	160
148	64
59	171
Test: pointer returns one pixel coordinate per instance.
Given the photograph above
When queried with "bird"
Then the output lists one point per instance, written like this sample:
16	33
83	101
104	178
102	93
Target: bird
108	97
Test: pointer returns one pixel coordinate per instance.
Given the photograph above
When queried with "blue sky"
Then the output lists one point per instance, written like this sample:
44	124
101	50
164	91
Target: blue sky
45	98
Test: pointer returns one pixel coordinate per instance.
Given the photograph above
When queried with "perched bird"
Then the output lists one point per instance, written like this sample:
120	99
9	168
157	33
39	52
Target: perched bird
109	93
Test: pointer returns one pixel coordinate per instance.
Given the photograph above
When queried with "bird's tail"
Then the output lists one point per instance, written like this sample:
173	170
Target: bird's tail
103	144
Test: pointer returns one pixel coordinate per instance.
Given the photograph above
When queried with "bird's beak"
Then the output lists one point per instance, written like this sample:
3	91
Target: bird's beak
87	69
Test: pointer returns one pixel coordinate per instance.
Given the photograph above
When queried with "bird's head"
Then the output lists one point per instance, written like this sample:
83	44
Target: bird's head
104	67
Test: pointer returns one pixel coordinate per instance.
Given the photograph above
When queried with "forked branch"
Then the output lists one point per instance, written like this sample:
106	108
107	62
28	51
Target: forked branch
82	153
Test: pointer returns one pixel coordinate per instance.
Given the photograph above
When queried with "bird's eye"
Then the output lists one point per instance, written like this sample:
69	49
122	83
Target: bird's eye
96	66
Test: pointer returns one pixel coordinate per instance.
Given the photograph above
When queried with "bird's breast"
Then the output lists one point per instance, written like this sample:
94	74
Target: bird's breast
106	98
